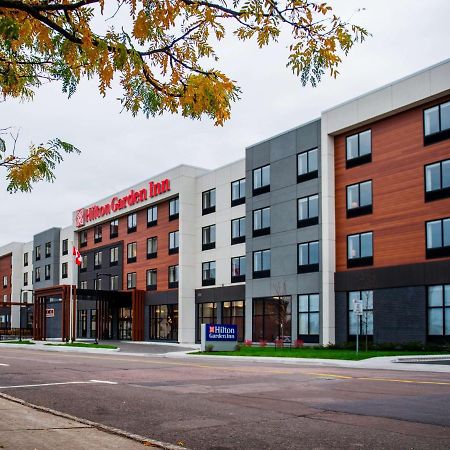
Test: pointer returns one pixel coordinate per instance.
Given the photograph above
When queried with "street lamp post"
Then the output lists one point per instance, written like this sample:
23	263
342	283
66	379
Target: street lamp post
20	311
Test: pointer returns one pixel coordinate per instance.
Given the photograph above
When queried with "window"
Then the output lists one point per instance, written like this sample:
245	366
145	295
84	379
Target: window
358	148
439	310
173	277
83	284
114	256
64	270
93	323
261	180
261	222
238	192
132	223
131	252
152	247
238	231
25	298
366	320
307	165
437	180
47	271
83	265
234	313
208	202
152	216
25	259
308	257
238	269
97	260
308	318
98	284
206	313
114	228
272	319
131	280
360	250
208	273
164	322
114	283
5	281
5	297
25	279
209	237
48	249
82	323
174	208
359	199
97	234
65	246
308	211
438	238
436	123
83	238
261	264
37	253
173	242
151	279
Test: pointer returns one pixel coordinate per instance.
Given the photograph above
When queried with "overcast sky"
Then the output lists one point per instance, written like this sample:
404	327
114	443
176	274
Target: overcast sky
119	150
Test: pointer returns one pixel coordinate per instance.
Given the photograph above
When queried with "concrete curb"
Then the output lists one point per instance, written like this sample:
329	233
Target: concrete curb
111	430
381	362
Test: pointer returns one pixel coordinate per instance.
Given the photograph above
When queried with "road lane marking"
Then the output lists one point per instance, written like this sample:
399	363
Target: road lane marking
1	364
103	381
56	384
392	380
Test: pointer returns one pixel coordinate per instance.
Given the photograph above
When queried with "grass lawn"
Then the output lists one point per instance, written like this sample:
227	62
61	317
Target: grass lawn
85	345
323	353
24	342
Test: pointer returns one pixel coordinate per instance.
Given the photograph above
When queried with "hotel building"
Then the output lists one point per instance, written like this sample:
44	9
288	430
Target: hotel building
353	205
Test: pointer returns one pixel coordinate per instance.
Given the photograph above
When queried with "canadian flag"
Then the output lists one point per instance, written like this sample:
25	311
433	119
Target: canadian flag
77	255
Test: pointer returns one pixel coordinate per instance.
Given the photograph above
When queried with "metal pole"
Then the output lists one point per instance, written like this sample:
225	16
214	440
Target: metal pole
357	334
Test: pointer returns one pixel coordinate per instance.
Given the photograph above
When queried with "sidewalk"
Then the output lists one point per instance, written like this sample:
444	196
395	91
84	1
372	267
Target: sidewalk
379	363
26	428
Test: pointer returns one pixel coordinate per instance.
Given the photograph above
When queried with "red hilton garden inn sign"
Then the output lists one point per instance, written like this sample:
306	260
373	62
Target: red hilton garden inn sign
83	215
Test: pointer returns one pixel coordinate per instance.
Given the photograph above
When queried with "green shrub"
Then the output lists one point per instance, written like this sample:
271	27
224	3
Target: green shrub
209	348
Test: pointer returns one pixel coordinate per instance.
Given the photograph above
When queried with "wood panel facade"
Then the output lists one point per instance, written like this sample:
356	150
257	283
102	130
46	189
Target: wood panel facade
398	190
163	260
6	270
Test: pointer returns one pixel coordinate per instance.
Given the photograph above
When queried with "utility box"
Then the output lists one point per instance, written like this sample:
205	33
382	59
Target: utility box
222	337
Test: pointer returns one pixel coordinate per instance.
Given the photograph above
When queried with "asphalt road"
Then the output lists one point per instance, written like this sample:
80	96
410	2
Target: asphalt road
221	404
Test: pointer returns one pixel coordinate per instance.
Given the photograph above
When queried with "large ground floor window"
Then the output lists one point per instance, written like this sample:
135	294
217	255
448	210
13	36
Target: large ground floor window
82	323
206	313
308	318
125	323
272	319
234	313
366	319
164	322
439	310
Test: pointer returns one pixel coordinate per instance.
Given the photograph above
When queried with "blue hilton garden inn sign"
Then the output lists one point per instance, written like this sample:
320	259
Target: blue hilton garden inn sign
219	336
221	332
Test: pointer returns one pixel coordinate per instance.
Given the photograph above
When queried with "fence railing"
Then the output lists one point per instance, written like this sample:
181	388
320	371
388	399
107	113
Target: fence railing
15	333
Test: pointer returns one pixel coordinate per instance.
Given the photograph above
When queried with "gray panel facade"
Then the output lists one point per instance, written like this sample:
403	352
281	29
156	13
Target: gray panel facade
51	236
399	315
281	153
105	270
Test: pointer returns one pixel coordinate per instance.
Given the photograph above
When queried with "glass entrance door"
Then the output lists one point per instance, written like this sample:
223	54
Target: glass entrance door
125	323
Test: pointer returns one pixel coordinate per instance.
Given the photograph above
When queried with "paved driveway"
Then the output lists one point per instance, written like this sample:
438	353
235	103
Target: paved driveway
147	348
